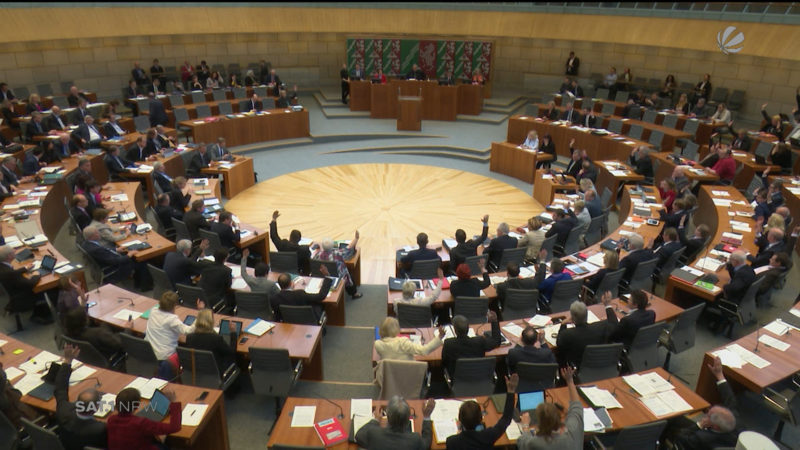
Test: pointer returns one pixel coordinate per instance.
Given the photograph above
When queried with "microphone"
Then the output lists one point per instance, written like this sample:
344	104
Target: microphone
120	299
341	411
758	334
97	383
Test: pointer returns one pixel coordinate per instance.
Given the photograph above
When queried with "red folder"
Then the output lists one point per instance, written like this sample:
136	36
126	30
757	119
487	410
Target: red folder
330	431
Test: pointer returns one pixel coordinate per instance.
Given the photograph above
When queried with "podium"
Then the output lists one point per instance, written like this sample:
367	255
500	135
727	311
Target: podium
409	115
360	95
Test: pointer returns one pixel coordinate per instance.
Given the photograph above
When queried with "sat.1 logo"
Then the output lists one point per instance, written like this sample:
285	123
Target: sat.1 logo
729	42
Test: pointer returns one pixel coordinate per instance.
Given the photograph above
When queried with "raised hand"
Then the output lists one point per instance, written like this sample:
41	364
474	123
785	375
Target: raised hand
275	214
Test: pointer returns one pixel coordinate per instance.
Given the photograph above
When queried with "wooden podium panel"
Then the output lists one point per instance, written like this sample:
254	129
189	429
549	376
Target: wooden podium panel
409	116
470	99
383	101
439	102
509	159
359	95
546	185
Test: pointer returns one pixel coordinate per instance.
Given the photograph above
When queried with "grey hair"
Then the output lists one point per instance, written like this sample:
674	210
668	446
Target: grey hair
90	231
503	227
9	158
738	256
578	312
183	245
158	165
637	241
722	418
397	412
409	287
327	244
5	252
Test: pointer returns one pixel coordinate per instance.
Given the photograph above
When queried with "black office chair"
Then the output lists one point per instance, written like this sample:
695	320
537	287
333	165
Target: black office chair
273	373
599	362
252	305
520	304
301	315
90	355
425	269
643	352
200	369
285	262
536	377
414	316
635	437
473	376
473	308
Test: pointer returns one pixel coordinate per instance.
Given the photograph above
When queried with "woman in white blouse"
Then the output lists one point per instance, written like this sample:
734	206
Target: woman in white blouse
391	346
532	141
163	330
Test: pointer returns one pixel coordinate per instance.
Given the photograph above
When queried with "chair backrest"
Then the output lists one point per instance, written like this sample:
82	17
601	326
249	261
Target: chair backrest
203	111
614	125
218	95
520	304
425	269
23	92
44	90
691	126
161	282
573	244
472	262
58	330
736	100
271	371
635	131
608	109
656	139
564	293
60	101
473	308
199	368
141	360
141	123
397	377
253	305
181	231
670	121
641	275
690	150
299	315
89	353
190	294
719	95
610	283
621	96
649	116
594	233
43	439
640	436
509	255
240	92
643	352
414	316
473	376
225	108
261	91
283	262
605	197
333	269
176	100
548	245
683	332
670	264
244	105
747	307
587	103
536	377
601	93
198	97
214	242
532	110
9	435
181	115
599	362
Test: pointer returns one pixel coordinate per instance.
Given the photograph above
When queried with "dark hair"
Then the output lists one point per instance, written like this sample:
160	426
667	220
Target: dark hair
460	325
529	335
220	255
100	214
556	265
461	236
548	417
422	240
463	272
639	299
671	234
127	401
224	215
262	269
295	236
784	259
163	198
284	280
37	151
197	204
512	269
470	415
75	321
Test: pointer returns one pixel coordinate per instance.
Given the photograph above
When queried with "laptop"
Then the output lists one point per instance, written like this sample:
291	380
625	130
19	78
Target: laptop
157	409
48	265
528	401
46	390
225	327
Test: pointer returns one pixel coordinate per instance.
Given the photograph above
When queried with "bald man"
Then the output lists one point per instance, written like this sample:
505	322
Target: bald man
742	276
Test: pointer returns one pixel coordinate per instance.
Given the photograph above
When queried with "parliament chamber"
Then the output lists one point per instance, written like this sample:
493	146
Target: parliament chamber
400	226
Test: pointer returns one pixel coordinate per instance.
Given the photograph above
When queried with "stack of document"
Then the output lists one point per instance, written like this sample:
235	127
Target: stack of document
665	403
361	412
591	423
599	398
314	285
444	419
119	198
258	327
513	329
146	386
648	383
304	416
539	320
736	356
707	263
127	314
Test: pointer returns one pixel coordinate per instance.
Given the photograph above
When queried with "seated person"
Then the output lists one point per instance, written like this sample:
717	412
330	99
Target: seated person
513	281
298	297
696	242
673	219
259	282
390	346
624	330
77	426
107	257
565	221
410	288
292	245
166	213
551	112
470	416
531	141
588	171
761	210
116	164
340	256
773	125
463	346
640	161
465	285
779	263
109	236
182	264
216	280
397	435
571	115
666	188
774	244
33	162
700	109
725	168
557	274
79	211
195	220
547	146
671	245
593	203
226	229
200	160
636	255
533	350
76	326
571	342
88	134
742	276
533	239
466	248
499	244
423	253
71	295
205	338
551	432
179	196
611	263
128	431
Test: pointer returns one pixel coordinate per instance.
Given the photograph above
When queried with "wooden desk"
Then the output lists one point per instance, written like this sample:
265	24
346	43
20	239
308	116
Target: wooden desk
790	199
212	433
334	303
251	128
237	178
173	166
437	102
304	342
470	98
546	185
409	114
663	166
360	95
717	219
623	173
512	160
782	366
191	108
383	101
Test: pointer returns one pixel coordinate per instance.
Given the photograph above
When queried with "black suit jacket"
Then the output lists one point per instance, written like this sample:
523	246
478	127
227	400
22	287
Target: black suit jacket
529	354
740	280
158	116
420	254
764	255
9	177
625	330
74	432
109	130
258	106
468	347
551	115
520	283
81	217
216	280
633	259
373	436
83	132
197	163
574	167
108	258
571	342
460	252
216	344
284	245
496	247
71	148
469	288
165	215
30	165
36	129
693	245
194	220
673	219
19	288
163	182
116	166
694	438
589	121
573	116
180	268
300	298
561	228
51	123
227	236
178	200
665	251
135	154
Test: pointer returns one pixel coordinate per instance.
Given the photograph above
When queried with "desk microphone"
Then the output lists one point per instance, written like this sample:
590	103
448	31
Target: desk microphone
97	383
758	334
341	411
120	299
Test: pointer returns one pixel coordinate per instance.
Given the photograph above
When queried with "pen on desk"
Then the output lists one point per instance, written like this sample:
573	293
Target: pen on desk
193	411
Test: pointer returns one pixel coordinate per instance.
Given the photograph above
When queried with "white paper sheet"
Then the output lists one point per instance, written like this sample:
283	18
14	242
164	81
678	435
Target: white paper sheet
777	327
591	422
772	342
600	397
444	429
125	314
13	372
193	414
539	320
81	374
513	329
303	416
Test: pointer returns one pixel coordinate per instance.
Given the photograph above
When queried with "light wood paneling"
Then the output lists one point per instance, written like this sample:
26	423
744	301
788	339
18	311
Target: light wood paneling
388	203
24	24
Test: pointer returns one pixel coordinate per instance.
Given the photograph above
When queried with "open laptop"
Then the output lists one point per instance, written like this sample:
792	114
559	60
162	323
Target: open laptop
157	409
528	401
48	265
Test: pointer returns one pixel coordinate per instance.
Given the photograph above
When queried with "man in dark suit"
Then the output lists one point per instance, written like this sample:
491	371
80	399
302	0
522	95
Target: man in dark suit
194	219
575	162
8	170
571	342
696	242
166	213
358	73
638	254
164	140
55	122
593	204
499	244
588	119
108	258
423	253
345	76
139	75
742	276
273	79
35	126
565	221
5	93
571	115
155	87
139	152
161	178
774	244
291	245
33	162
762	207
397	435
77	98
182	264
466	248
532	350
415	73
513	281
20	289
157	71
573	64
198	162
463	346
112	128
116	164
283	101
77	427
219	151
133	90
65	146
79	211
671	245
741	141
640	161
158	116
177	198
625	330
254	104
778	265
299	297
224	228
88	134
216	279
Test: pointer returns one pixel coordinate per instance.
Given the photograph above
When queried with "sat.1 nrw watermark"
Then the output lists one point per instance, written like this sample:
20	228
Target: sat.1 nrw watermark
728	42
101	406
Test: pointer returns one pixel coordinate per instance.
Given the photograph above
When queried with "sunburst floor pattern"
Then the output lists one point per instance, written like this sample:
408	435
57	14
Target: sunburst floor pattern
388	203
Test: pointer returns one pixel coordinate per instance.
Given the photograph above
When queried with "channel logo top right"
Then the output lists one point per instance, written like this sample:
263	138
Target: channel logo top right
728	42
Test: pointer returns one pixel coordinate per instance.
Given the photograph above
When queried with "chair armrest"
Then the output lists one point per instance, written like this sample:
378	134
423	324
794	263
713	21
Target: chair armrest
597	444
323	319
229	371
777	405
298	369
774	393
494	377
448	379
